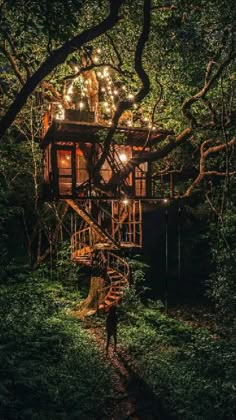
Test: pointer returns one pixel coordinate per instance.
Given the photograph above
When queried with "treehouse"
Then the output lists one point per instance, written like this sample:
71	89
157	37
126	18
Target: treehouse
72	149
105	188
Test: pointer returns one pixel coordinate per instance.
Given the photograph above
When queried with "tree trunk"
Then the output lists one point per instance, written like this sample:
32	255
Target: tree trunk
95	297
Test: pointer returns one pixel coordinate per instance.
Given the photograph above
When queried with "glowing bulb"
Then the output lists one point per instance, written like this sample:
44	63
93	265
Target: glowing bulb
81	105
103	89
126	201
86	82
165	200
68	157
68	98
99	74
154	128
135	106
63	161
96	59
129	123
106	104
123	87
130	96
115	92
99	50
123	157
76	69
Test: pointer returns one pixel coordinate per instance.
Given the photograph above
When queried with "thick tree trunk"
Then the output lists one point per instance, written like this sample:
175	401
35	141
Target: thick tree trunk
95	297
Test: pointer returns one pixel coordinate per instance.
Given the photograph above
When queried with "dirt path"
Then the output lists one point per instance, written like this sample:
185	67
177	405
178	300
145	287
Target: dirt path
133	400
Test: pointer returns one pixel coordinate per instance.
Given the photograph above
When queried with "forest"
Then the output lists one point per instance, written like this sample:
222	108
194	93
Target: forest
117	190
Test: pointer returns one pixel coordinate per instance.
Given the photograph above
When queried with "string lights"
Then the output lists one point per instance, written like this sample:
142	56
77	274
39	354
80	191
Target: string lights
111	92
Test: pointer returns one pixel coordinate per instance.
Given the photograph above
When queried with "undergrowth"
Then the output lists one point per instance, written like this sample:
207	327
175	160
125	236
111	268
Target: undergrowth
50	368
192	371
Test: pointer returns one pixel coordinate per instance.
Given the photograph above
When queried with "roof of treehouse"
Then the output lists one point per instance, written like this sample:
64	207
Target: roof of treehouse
77	131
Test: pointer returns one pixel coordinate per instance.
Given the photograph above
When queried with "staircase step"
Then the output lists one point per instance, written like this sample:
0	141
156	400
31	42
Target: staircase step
114	297
110	302
116	276
119	282
115	292
93	223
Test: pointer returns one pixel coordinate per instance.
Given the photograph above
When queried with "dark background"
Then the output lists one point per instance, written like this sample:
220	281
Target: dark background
188	261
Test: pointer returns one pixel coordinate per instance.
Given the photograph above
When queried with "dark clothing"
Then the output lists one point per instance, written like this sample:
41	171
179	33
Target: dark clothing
111	323
111	327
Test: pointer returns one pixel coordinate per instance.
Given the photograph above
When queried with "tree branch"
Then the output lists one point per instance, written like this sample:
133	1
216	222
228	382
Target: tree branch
124	105
13	64
202	171
57	58
158	154
210	80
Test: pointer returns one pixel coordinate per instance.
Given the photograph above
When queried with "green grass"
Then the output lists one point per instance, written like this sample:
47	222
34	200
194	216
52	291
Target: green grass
50	368
191	371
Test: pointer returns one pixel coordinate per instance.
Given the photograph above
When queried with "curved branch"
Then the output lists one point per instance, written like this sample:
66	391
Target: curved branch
158	154
124	105
202	171
153	114
115	49
13	64
16	54
210	80
91	67
57	58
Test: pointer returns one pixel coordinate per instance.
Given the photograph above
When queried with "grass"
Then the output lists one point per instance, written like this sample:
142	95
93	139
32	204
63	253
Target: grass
50	367
192	371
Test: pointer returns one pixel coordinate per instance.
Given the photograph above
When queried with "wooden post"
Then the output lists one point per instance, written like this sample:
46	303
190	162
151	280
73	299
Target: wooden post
73	169
171	185
55	186
162	186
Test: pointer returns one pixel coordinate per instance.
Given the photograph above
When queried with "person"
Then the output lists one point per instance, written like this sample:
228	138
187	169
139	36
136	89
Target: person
111	327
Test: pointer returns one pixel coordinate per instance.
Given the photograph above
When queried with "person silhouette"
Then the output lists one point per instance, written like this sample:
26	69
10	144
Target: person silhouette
111	327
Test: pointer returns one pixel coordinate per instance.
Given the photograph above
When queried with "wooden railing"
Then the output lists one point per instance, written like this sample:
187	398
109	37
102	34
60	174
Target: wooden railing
118	264
81	239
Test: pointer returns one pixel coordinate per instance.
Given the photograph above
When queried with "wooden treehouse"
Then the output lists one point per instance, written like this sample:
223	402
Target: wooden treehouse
110	210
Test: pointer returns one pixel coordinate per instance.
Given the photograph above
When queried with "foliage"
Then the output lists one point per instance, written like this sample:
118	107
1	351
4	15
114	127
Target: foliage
50	368
138	270
222	284
68	272
192	371
44	354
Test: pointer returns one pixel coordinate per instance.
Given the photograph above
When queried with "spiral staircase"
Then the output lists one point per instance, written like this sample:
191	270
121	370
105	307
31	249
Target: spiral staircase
118	228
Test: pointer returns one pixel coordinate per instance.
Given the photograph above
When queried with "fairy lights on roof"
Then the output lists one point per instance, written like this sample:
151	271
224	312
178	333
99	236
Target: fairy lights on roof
110	92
